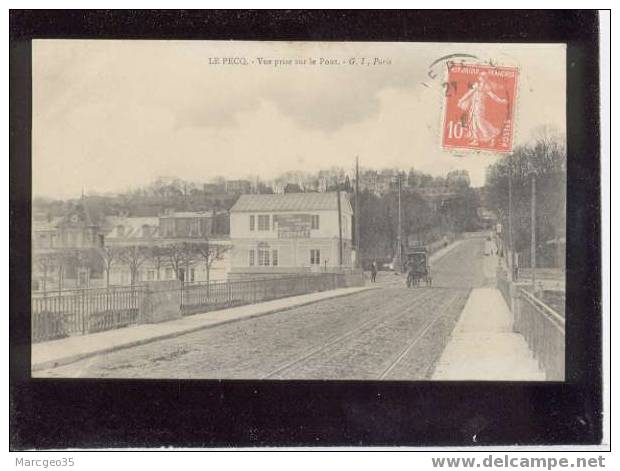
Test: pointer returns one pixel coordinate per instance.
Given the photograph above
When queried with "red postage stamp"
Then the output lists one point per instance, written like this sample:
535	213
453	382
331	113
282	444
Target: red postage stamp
479	108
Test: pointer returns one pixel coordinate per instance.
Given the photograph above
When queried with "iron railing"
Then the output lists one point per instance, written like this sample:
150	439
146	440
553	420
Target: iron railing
544	331
505	287
204	297
81	311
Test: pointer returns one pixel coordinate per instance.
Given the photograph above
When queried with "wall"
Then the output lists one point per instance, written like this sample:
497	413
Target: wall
120	275
328	225
292	253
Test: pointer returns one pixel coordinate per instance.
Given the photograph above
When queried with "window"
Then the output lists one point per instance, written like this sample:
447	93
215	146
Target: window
251	258
274	257
315	221
263	257
169	273
168	227
252	222
192	274
315	257
194	228
274	222
150	275
263	222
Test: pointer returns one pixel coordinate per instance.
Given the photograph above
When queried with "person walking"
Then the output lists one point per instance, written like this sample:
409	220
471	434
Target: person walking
373	272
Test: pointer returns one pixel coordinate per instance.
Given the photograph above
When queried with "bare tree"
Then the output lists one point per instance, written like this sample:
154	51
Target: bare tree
180	256
157	256
210	252
134	257
46	262
109	256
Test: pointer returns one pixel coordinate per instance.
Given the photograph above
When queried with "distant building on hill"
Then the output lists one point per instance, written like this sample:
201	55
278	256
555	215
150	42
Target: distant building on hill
238	186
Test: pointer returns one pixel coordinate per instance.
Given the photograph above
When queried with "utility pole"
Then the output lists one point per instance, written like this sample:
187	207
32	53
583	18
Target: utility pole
357	212
400	245
533	224
339	229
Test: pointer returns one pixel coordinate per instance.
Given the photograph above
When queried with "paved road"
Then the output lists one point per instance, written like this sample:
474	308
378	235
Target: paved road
388	333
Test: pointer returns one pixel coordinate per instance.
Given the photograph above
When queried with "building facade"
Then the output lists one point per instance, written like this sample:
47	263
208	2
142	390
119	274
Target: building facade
238	186
290	233
80	251
64	249
168	230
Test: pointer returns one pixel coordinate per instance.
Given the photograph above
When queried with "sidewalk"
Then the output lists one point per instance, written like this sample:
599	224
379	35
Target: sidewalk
61	352
483	346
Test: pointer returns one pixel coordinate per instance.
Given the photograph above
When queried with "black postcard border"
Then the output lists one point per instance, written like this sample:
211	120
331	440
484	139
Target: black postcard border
46	414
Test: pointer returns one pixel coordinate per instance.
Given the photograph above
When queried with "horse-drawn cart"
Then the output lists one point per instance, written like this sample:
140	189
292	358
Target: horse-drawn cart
418	268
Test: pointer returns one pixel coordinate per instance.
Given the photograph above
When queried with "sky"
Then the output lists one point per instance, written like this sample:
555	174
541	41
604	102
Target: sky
112	115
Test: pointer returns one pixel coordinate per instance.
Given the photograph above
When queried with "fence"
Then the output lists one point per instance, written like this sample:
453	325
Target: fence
82	311
78	312
542	327
203	297
505	287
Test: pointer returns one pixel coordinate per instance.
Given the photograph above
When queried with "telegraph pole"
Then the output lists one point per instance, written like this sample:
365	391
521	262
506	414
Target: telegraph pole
357	212
400	245
512	256
339	229
533	224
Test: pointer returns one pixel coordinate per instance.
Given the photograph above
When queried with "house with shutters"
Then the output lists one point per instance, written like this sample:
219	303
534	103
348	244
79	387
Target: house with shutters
290	233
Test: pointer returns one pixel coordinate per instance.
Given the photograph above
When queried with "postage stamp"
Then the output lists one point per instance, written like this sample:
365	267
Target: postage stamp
479	107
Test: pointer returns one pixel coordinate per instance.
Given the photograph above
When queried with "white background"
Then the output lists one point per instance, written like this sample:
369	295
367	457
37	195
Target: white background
311	460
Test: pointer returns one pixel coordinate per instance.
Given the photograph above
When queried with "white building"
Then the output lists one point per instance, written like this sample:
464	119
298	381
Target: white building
288	233
162	231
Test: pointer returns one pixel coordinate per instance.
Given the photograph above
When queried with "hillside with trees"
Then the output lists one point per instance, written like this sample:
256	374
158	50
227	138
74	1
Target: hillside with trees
546	159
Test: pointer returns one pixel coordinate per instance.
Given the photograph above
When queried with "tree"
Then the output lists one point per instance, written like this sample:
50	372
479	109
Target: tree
109	256
180	256
46	262
347	185
545	158
292	188
413	178
133	257
264	189
211	252
157	257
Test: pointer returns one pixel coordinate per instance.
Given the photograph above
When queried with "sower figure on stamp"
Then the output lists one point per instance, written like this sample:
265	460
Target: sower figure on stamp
473	103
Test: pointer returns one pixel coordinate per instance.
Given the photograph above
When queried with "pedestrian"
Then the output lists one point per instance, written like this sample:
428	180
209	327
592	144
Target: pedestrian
373	272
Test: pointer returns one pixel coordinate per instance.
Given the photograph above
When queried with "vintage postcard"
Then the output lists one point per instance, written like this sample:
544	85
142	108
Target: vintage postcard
298	210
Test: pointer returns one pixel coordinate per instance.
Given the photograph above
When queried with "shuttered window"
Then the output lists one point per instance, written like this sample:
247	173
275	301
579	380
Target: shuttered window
263	222
274	257
263	257
315	257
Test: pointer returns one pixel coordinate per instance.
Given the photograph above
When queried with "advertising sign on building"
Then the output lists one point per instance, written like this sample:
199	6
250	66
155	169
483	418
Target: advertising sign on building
294	226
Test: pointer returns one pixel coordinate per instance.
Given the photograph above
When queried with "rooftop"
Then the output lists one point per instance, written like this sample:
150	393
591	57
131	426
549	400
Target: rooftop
189	214
291	202
132	227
